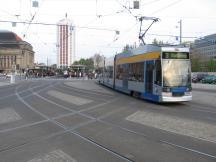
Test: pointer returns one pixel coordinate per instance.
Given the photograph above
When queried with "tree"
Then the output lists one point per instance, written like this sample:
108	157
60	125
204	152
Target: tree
211	65
89	63
98	59
199	63
76	63
128	47
157	42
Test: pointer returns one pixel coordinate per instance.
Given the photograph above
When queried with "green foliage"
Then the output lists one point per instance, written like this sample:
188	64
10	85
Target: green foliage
195	65
128	47
89	63
156	42
211	65
198	65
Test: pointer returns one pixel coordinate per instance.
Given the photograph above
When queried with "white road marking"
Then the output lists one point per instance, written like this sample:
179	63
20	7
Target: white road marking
69	98
8	115
54	156
175	124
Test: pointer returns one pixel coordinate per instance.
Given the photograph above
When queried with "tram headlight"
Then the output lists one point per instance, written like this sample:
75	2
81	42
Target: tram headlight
188	89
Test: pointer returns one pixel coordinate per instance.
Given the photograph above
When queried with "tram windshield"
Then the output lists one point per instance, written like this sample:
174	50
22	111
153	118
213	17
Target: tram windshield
176	73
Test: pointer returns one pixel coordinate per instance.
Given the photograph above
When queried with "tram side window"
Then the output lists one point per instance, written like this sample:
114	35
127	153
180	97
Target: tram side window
110	71
119	72
158	72
125	72
136	71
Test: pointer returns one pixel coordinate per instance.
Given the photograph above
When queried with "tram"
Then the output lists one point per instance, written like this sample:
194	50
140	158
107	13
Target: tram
156	73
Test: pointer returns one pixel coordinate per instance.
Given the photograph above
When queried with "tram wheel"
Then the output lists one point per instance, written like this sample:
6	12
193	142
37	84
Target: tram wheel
135	94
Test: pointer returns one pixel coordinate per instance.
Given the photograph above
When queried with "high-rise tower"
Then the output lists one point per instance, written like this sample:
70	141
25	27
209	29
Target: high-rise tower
65	43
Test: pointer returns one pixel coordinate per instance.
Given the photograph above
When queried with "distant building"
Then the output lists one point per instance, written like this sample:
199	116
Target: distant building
65	43
14	52
205	47
203	54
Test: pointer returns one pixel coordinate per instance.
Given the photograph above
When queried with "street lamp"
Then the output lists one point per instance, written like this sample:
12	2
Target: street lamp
180	32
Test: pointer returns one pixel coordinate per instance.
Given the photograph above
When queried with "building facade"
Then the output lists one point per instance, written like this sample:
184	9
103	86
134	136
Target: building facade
203	53
205	46
15	54
65	43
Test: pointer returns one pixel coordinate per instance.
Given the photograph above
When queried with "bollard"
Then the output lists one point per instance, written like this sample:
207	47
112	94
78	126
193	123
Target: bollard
12	79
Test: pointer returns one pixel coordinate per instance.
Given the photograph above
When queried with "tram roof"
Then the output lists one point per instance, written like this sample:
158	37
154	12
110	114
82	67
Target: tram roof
151	48
139	50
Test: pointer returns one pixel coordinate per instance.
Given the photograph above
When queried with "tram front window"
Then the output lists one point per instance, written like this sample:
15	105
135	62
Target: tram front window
176	73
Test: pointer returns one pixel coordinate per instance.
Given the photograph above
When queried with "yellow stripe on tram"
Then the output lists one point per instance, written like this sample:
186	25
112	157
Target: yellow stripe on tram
136	58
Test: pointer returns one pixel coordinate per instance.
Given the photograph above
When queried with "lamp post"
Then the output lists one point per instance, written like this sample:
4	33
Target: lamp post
12	79
180	26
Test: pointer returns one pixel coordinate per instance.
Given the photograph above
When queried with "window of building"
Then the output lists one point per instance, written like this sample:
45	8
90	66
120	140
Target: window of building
12	60
5	61
8	61
1	61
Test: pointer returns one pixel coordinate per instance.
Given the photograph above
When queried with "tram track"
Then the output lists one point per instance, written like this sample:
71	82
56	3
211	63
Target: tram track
74	92
22	91
65	130
203	107
99	119
91	92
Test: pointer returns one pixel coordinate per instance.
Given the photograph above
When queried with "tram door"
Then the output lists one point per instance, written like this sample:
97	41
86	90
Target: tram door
149	76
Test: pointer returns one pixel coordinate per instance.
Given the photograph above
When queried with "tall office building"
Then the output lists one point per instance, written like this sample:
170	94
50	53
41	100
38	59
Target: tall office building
65	43
205	47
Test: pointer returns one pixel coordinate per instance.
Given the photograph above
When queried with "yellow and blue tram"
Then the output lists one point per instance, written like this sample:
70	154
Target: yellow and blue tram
156	73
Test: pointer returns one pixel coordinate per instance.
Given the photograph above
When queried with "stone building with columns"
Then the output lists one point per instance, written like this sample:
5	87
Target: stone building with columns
14	53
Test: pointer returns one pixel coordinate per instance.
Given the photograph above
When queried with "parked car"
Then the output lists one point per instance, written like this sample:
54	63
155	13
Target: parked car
197	78
211	79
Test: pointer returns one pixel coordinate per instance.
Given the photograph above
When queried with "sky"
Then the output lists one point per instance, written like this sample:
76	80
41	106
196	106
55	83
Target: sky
96	23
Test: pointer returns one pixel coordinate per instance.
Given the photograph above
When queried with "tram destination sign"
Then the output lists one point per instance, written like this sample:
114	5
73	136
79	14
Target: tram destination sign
175	55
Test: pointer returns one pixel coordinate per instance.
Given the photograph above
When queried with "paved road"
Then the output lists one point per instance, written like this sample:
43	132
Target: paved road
80	121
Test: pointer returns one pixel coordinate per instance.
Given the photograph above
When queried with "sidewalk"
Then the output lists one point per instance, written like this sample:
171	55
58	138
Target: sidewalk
4	83
7	82
199	86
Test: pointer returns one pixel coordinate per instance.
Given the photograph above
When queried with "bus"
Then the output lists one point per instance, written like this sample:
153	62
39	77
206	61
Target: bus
151	72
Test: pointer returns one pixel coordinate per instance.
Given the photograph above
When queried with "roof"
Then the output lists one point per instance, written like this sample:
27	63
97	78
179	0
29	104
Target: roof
9	39
8	36
65	22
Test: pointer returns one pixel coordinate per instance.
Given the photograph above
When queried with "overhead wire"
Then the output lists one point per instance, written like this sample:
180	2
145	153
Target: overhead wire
31	20
126	9
7	13
170	35
151	2
165	7
54	24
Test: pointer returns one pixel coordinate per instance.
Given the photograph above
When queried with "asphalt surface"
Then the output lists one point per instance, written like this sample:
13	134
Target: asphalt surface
81	121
